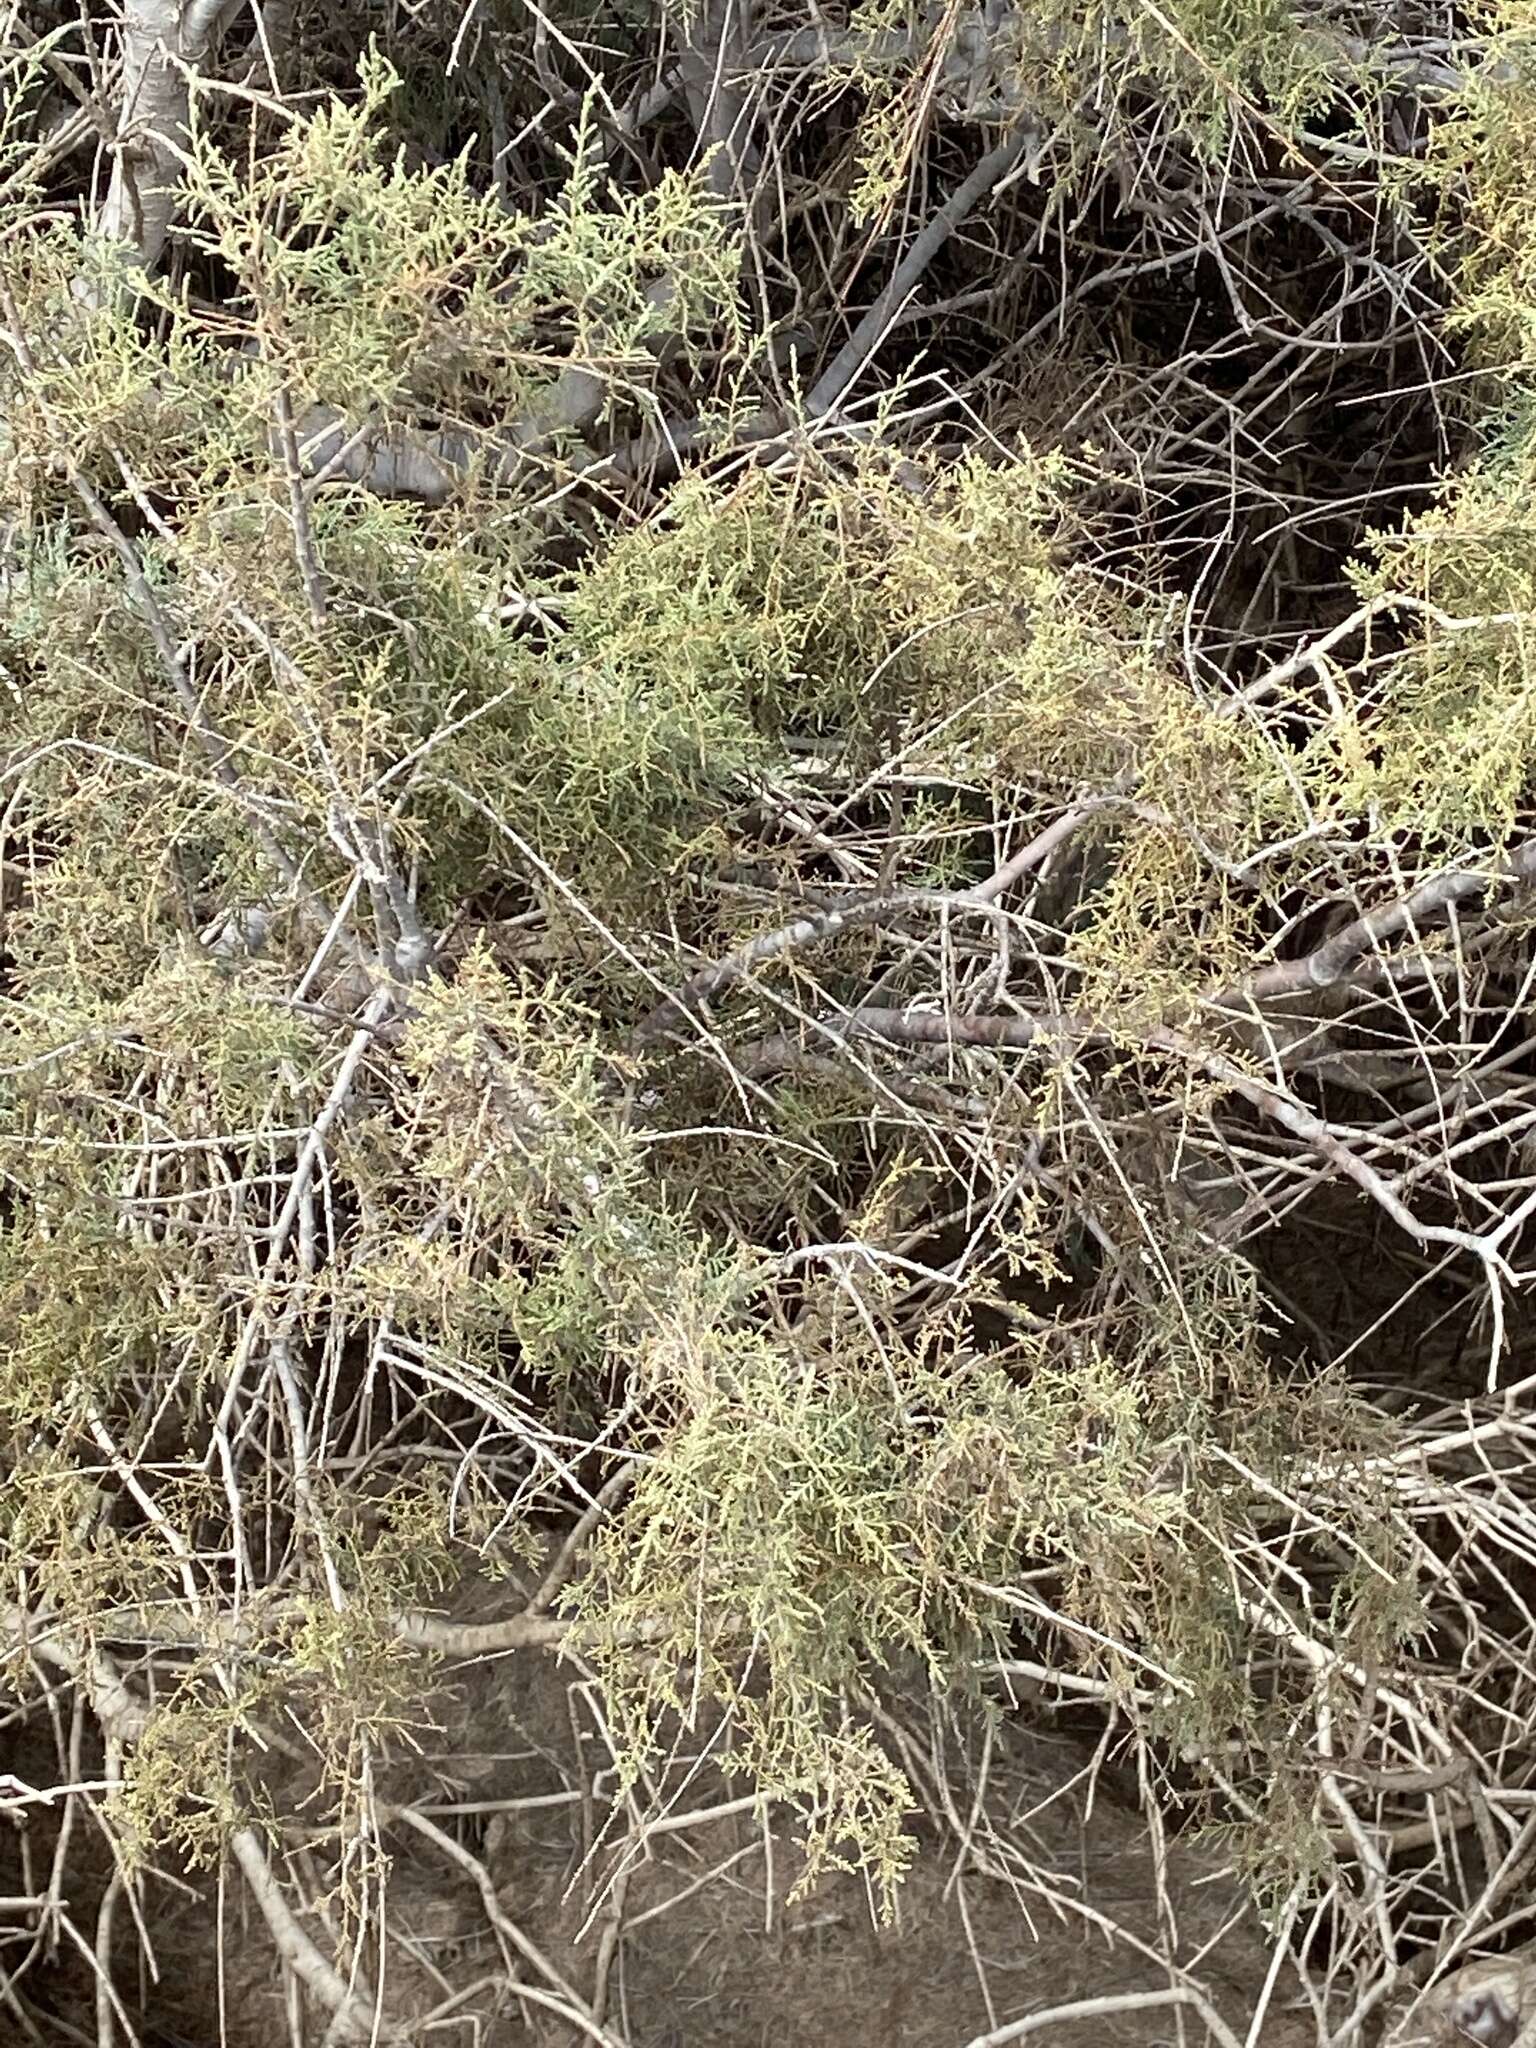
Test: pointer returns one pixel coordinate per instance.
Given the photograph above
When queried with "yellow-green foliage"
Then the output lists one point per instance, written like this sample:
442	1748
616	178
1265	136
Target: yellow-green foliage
1483	153
817	1513
1074	68
827	1486
1447	745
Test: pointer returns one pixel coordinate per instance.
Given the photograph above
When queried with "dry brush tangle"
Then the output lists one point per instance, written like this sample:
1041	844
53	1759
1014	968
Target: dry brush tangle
769	844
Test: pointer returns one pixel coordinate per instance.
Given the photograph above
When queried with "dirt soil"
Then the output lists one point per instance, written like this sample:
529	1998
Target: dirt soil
718	1949
695	1924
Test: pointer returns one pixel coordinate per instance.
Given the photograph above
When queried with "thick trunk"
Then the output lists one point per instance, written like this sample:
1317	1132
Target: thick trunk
162	41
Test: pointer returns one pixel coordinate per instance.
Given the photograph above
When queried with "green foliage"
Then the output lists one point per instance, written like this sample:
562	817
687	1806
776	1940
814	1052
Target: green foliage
1449	751
817	1516
1075	72
1484	150
276	1185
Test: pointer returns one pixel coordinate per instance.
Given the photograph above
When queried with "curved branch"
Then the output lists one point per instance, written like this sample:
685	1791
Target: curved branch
355	2017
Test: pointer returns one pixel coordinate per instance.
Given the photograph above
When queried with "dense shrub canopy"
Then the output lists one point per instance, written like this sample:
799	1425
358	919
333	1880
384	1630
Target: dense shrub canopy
768	804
